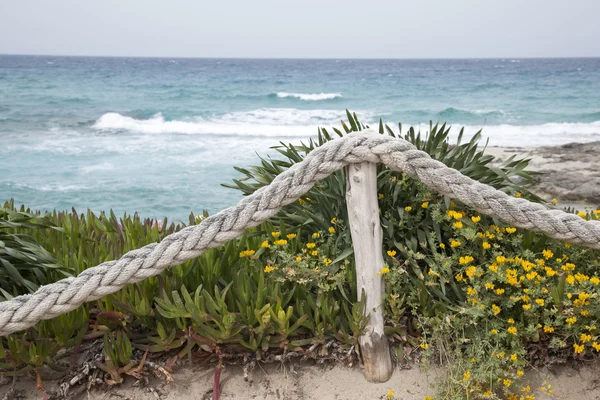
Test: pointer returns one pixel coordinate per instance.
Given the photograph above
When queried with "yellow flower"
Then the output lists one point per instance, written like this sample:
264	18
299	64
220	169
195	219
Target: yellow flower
466	376
548	329
459	277
486	245
513	357
510	321
465	259
246	253
265	244
275	234
333	220
268	269
385	270
540	302
570	279
476	219
455	243
578	348
316	235
499	291
391	253
380	195
526	306
454	214
291	236
458	225
280	242
520	373
554	201
390	394
507	382
585	337
327	261
425	204
442	245
596	346
512	330
548	254
518	194
582	214
568	245
314	252
310	245
495	309
298	259
331	229
407	208
424	346
428	398
500	260
510	230
571	321
489	285
494	331
300	201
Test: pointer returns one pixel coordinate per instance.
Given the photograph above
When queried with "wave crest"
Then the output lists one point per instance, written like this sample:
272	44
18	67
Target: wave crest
309	96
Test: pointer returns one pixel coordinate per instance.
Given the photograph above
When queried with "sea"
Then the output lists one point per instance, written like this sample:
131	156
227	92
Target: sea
159	136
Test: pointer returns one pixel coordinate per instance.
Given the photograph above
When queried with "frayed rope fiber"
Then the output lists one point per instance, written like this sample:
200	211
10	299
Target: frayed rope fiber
397	154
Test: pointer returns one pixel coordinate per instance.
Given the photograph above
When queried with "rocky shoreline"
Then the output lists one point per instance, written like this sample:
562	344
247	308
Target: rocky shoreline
570	173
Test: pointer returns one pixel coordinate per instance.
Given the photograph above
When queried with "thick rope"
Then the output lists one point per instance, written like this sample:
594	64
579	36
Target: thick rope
397	154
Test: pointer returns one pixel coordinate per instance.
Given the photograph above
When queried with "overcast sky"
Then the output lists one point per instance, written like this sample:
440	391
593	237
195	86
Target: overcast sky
302	28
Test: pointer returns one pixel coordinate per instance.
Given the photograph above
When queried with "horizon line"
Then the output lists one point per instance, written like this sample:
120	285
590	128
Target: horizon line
296	58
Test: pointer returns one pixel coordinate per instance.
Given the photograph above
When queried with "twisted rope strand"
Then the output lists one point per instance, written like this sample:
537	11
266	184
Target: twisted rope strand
397	154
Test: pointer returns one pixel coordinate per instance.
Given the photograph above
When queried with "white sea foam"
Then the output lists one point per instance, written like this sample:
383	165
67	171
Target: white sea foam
87	169
310	96
551	134
269	122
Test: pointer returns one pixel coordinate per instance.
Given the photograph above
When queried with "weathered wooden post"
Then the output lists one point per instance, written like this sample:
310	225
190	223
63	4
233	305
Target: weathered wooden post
367	240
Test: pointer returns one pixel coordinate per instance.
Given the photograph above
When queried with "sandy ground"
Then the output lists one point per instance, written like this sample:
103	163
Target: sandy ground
311	382
571	173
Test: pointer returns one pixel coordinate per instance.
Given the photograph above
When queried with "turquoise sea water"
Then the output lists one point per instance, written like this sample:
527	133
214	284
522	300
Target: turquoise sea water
158	136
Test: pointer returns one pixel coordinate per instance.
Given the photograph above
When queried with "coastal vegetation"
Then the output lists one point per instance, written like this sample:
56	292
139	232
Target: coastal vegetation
487	300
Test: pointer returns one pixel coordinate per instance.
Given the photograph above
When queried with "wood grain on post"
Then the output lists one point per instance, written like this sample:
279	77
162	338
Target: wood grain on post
367	240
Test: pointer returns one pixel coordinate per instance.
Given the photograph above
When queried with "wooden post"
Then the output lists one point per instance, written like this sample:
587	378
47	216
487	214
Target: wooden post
367	240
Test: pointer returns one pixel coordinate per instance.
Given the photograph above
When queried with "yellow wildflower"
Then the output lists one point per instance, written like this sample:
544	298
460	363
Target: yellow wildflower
495	309
510	230
424	346
513	357
291	236
554	201
571	321
314	252
510	321
465	260
494	331
489	285
540	302
520	373
512	330
407	208
499	291
455	243
500	260
486	245
265	244
425	204
458	225
280	242
582	214
578	348
442	245
298	259
331	229
333	220
310	245
246	253
380	195
391	253
585	337
507	382
526	306
390	394
268	269
476	219
548	254
466	376
316	235
328	261
548	329
596	346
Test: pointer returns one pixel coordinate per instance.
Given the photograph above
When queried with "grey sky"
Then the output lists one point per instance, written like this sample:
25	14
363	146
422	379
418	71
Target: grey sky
306	28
